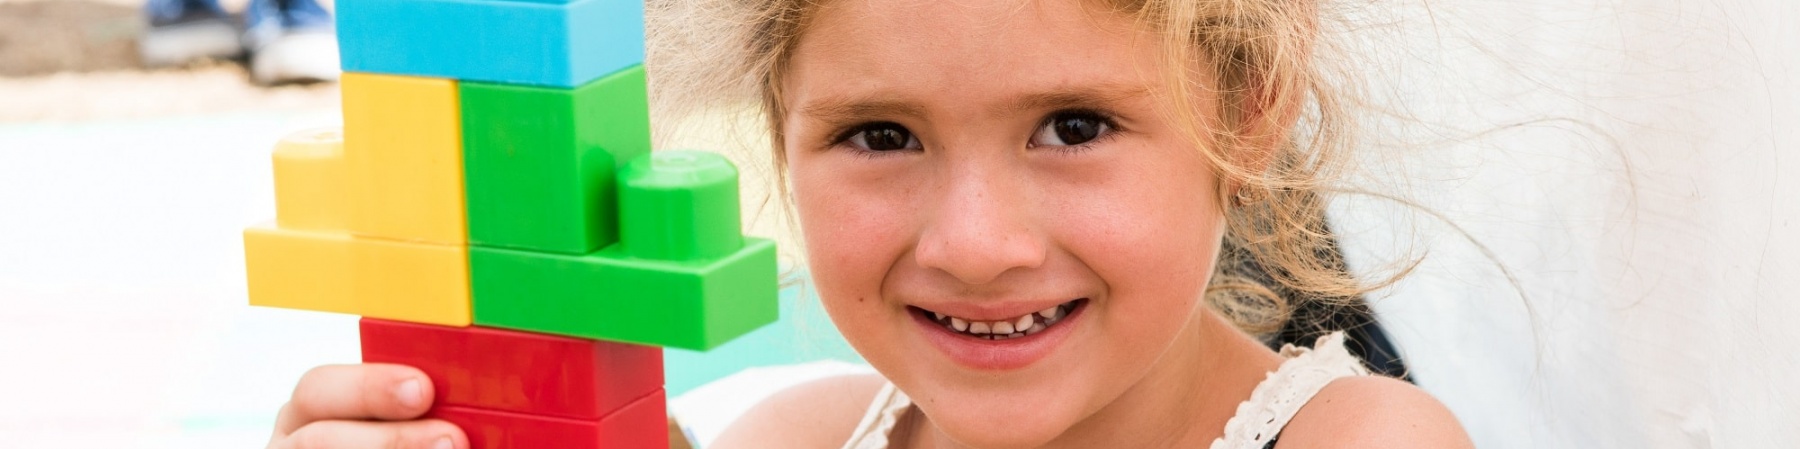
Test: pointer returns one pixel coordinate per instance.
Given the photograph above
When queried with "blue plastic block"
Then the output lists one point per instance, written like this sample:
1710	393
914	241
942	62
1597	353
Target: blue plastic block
539	42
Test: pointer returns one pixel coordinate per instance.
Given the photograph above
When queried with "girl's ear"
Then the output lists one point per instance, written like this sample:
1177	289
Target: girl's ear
1265	125
1273	94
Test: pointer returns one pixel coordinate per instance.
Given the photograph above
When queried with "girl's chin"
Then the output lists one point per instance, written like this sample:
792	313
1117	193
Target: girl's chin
1022	410
1021	424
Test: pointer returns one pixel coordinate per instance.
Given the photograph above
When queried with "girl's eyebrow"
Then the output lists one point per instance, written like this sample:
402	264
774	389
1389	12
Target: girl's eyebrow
845	109
1084	96
842	109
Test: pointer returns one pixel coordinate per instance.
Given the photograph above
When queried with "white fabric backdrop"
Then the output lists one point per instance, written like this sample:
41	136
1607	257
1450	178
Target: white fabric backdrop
1629	165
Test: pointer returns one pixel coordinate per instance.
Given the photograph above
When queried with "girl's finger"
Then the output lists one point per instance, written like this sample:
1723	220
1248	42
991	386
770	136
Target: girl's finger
339	434
356	392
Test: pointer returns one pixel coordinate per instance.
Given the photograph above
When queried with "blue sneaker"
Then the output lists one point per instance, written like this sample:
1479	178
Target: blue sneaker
183	31
290	41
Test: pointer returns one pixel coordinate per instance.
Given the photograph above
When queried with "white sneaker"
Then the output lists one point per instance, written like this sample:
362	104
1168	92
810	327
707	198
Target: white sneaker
296	57
178	44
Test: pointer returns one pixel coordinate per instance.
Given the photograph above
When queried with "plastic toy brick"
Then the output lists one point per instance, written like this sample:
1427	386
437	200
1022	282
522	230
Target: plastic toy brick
684	304
679	205
540	162
551	43
309	181
521	372
403	142
642	424
683	277
336	272
300	270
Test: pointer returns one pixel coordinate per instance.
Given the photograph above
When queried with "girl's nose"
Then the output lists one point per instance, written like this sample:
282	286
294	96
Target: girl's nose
981	228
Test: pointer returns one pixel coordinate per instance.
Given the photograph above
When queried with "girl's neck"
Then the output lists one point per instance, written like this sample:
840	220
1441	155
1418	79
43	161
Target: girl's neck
1184	401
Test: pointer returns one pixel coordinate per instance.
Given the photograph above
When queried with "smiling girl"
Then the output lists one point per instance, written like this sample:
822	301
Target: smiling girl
1014	210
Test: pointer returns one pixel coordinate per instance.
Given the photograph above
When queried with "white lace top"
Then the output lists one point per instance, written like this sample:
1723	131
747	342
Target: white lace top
1258	420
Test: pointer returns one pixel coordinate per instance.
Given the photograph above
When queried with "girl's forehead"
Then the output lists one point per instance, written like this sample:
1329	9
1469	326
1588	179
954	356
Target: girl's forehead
967	49
952	20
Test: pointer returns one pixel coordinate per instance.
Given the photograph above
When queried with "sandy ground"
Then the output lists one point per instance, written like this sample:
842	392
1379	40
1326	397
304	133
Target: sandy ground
76	60
136	94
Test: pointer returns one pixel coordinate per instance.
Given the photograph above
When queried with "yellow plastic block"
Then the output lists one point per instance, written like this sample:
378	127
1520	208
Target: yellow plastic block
421	283
309	181
403	144
376	278
295	270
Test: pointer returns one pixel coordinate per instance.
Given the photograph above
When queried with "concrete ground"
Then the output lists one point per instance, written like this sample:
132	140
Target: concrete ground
123	316
124	323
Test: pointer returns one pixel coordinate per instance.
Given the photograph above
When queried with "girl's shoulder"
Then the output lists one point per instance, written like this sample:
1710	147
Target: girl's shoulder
1357	411
816	414
1373	411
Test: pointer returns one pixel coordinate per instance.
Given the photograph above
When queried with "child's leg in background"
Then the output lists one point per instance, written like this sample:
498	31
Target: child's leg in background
290	40
182	31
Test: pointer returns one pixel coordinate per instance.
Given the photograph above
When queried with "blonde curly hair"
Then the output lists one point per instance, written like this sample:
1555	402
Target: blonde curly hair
1257	56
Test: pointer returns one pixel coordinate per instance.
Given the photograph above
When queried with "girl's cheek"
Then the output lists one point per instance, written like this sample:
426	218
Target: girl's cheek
853	231
1142	223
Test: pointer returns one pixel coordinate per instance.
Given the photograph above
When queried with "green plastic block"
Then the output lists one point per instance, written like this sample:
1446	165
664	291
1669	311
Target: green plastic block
539	162
682	275
610	296
678	205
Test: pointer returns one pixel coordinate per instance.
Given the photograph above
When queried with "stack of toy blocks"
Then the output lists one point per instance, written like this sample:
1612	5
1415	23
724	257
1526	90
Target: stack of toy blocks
492	209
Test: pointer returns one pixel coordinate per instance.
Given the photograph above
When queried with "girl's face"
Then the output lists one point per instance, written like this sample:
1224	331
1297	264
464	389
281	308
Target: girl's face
1006	164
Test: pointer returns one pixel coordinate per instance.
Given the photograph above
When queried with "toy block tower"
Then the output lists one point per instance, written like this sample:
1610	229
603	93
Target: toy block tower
493	211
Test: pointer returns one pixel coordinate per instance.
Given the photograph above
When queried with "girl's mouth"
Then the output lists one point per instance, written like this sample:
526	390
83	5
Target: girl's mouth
1016	327
1004	344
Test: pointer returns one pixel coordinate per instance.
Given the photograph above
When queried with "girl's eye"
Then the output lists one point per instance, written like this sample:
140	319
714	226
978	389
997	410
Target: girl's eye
883	137
1071	128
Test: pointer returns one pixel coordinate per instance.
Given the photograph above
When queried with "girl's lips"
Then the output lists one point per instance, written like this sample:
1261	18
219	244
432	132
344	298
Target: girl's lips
997	355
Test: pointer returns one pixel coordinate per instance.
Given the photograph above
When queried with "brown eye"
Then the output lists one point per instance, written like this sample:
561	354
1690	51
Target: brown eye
1071	128
884	137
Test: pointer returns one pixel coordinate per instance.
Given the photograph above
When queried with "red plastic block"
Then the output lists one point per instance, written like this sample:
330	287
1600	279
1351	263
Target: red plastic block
642	424
516	371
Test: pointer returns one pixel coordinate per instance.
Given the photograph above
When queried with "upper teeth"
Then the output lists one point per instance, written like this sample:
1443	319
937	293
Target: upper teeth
1028	324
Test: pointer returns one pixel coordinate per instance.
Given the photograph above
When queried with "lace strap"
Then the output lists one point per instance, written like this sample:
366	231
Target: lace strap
1276	400
884	412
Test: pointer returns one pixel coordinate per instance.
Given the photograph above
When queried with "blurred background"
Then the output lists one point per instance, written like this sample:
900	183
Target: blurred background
1603	195
122	321
124	186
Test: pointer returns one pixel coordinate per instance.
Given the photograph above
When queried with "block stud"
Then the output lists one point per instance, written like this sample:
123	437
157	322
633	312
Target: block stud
309	181
679	205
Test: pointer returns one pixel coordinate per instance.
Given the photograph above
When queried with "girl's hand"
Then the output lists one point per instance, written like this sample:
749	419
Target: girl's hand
374	406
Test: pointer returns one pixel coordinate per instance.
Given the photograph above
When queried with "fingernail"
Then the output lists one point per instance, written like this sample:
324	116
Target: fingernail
410	394
443	443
